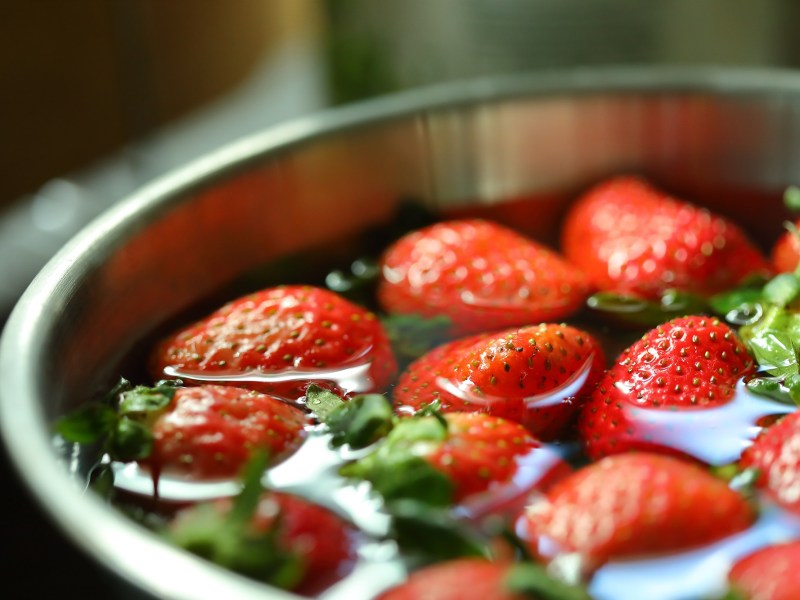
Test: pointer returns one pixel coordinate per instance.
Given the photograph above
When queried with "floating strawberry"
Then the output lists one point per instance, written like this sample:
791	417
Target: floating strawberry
688	364
273	537
482	276
444	459
535	375
203	432
476	579
776	457
634	504
631	238
280	339
771	573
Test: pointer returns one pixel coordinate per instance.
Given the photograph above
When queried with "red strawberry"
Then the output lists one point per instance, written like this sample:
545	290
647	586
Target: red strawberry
535	375
771	573
786	252
210	431
448	459
634	504
280	339
478	579
632	238
776	455
288	542
482	276
690	363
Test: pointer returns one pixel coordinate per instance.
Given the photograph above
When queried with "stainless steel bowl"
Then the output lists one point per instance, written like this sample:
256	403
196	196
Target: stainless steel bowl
731	137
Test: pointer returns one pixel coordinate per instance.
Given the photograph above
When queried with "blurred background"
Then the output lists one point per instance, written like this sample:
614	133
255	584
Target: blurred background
101	96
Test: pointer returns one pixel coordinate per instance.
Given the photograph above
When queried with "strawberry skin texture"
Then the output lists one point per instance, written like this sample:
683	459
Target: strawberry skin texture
462	579
785	253
776	455
502	373
631	238
771	573
297	330
210	431
689	363
635	504
481	275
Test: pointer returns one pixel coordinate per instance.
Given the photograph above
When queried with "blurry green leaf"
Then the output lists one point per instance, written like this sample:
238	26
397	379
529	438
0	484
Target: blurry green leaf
533	581
87	425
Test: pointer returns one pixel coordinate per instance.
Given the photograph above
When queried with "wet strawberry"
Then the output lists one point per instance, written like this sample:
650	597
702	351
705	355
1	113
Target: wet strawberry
477	579
210	431
279	340
631	238
286	541
771	573
482	276
690	363
776	456
535	375
634	504
785	254
451	458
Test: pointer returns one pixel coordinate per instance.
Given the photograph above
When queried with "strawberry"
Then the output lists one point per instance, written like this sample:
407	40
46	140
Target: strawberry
203	432
479	274
270	536
445	459
631	238
771	573
477	579
280	339
775	455
785	254
634	504
689	363
535	375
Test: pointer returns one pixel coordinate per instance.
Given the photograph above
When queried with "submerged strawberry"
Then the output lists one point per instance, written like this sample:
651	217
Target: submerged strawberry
535	375
776	457
480	275
631	238
476	579
279	340
771	573
634	504
273	537
451	458
688	364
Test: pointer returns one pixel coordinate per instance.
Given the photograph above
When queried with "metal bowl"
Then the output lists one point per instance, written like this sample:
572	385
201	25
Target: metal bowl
731	138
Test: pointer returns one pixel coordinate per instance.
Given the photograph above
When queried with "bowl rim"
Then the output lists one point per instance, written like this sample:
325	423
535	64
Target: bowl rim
96	529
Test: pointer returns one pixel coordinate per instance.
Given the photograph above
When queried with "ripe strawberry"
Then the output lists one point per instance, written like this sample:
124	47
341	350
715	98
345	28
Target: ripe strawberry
632	238
786	252
689	363
535	375
285	541
771	573
776	455
445	459
280	339
634	504
477	579
482	276
210	431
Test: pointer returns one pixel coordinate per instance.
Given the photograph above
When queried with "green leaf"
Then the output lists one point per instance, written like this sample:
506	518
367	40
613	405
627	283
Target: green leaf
782	289
130	440
775	389
101	480
432	409
145	404
246	502
433	535
362	421
411	336
322	402
741	306
633	310
774	351
533	581
88	424
791	198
